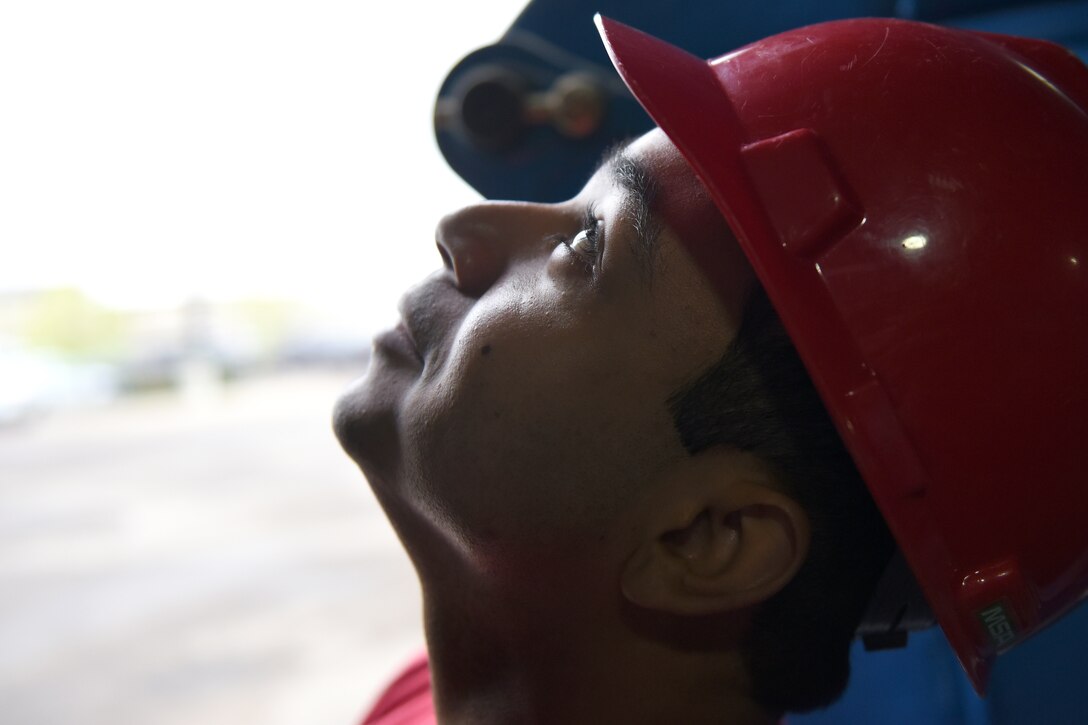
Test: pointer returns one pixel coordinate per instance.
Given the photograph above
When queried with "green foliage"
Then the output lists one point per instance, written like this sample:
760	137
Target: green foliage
269	320
68	322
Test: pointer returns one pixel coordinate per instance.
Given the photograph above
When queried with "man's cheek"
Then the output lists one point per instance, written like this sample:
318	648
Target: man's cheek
516	356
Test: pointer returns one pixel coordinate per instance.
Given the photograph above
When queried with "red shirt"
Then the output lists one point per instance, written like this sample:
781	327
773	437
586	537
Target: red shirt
407	700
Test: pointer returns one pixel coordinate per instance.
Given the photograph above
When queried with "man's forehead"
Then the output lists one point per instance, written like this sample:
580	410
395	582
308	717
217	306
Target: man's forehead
657	152
681	203
680	200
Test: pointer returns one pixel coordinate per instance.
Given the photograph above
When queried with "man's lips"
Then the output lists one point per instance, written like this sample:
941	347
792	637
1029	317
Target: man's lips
409	328
406	331
399	342
428	313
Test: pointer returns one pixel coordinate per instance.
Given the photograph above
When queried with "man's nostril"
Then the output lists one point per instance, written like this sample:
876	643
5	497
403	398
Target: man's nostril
446	261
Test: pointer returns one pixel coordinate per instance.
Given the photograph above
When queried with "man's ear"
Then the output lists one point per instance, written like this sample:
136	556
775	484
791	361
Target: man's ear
717	536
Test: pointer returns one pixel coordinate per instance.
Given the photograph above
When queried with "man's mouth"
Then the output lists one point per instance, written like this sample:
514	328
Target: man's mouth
400	343
428	313
406	331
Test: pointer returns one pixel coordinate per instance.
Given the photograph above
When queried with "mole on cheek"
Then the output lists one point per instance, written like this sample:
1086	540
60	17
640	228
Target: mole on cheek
485	350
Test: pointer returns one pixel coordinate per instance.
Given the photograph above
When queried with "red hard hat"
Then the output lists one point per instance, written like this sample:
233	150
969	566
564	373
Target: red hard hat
914	199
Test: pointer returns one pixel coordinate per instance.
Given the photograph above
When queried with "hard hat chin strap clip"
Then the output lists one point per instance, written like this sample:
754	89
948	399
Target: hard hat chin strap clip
896	608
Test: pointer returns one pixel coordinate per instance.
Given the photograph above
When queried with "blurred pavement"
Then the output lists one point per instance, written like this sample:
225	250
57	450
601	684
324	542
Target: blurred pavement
213	559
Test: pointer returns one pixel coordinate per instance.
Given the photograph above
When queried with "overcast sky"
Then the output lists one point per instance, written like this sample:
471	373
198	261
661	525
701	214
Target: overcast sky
154	151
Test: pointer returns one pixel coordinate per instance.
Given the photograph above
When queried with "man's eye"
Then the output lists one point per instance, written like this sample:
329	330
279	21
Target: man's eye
586	246
585	241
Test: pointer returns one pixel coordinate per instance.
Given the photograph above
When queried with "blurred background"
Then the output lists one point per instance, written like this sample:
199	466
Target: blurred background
206	210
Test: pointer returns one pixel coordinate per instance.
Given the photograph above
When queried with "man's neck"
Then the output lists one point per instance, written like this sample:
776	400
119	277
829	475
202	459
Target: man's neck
488	667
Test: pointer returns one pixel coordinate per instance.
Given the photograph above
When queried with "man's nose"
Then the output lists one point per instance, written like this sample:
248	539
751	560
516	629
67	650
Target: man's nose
478	242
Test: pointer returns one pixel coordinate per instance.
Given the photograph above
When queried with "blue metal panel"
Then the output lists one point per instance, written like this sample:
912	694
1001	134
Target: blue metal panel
921	683
1065	23
1044	680
555	36
1041	681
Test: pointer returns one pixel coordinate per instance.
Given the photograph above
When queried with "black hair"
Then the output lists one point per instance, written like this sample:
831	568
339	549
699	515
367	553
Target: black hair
759	398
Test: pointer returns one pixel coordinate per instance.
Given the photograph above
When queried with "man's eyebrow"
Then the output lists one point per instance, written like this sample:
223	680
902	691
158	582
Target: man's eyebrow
634	176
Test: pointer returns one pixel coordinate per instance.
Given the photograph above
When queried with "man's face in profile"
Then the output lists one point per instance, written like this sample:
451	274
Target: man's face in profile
521	406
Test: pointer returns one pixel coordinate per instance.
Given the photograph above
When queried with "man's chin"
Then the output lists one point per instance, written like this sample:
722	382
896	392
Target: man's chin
364	421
